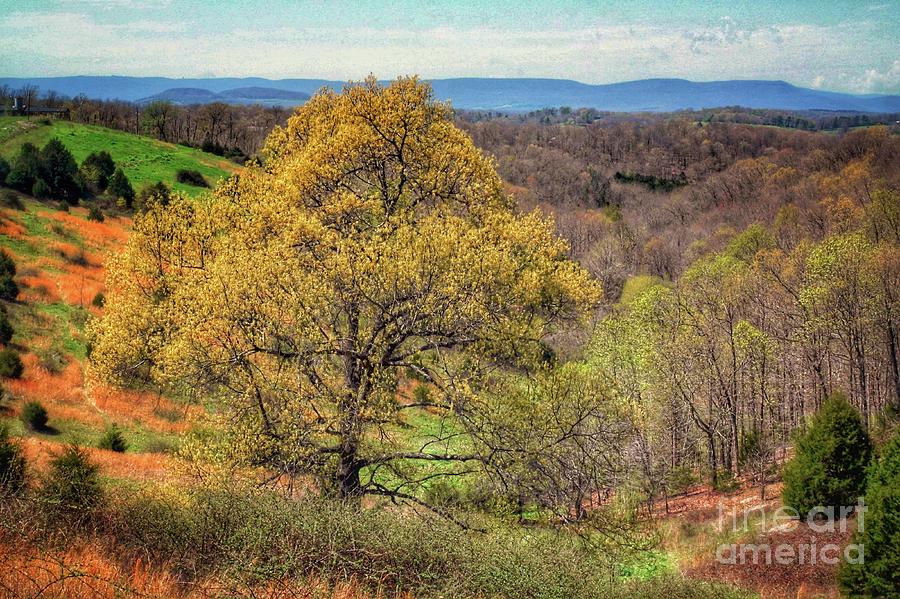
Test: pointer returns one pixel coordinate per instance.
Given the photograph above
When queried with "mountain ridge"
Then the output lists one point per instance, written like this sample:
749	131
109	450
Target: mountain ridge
239	95
500	94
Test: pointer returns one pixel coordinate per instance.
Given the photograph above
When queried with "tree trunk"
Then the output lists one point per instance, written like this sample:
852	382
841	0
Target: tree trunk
348	471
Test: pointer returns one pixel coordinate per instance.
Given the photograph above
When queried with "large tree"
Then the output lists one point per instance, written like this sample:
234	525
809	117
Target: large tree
156	119
375	241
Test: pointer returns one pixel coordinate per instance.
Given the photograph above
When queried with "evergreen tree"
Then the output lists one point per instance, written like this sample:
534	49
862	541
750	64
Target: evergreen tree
879	531
120	186
58	170
4	169
72	482
97	169
8	288
26	168
6	329
830	460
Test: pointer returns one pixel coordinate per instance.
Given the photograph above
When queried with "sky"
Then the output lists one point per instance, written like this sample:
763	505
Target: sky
849	46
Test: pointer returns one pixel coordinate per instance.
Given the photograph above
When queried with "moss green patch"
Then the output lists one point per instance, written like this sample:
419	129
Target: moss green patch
67	326
647	565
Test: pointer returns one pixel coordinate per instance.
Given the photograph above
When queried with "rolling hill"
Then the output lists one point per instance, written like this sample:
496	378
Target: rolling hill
145	160
244	95
655	95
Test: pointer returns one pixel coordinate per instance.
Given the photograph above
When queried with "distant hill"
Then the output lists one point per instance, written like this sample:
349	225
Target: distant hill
242	95
652	95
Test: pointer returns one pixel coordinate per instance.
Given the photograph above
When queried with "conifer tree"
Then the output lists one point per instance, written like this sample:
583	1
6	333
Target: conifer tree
831	456
879	531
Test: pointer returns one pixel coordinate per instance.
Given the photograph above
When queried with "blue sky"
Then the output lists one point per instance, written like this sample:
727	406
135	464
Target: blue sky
840	45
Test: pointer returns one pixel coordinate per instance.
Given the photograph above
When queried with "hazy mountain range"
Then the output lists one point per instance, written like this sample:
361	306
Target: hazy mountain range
655	95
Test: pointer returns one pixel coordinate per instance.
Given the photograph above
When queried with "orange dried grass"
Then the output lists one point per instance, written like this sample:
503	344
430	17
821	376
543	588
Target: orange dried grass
39	384
134	466
113	230
142	406
39	288
82	572
87	571
11	228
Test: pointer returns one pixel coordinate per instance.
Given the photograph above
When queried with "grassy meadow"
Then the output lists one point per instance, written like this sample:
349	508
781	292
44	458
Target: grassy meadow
144	160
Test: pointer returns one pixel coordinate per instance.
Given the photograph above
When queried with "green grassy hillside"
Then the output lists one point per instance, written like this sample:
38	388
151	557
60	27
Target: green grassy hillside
145	160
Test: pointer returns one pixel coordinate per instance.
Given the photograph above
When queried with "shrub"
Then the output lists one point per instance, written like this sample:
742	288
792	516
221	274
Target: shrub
10	364
158	192
191	177
879	575
830	460
12	464
4	169
113	440
10	199
95	214
34	415
680	479
52	360
99	300
377	547
9	291
72	482
40	190
726	482
6	330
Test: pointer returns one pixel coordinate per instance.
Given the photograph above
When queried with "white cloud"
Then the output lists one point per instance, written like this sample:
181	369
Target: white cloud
874	80
836	57
119	4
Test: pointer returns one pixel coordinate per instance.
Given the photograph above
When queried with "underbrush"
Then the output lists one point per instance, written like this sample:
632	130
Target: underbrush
214	539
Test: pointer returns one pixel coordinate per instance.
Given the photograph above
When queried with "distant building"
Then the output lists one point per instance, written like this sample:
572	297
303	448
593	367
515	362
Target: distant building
21	108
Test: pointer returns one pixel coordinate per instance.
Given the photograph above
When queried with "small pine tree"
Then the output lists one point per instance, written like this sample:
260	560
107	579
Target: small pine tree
34	415
95	214
9	291
113	440
99	300
120	187
7	264
72	482
6	329
830	459
12	464
879	533
11	366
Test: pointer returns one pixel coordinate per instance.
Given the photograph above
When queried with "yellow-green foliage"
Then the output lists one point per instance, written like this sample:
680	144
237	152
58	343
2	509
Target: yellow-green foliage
376	234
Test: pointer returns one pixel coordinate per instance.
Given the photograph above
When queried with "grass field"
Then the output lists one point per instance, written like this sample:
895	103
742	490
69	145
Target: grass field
145	160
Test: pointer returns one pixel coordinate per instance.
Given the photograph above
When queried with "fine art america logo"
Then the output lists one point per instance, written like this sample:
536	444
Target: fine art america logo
821	520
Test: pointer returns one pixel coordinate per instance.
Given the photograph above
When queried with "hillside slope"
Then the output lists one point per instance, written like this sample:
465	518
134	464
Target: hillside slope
60	258
144	160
